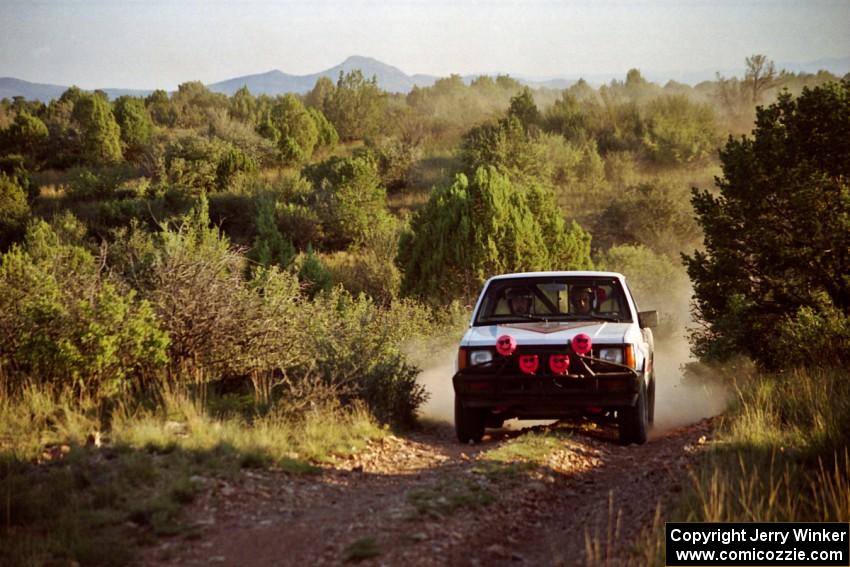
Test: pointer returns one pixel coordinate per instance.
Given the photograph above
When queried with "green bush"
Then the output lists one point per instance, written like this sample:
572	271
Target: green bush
357	349
391	391
815	336
655	281
195	164
26	136
312	272
221	326
270	247
495	226
394	160
14	167
653	214
301	224
67	325
135	124
505	145
86	183
679	131
14	211
365	271
349	200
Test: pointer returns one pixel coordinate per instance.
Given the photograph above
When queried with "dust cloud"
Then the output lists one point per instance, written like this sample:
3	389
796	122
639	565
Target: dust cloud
436	377
678	402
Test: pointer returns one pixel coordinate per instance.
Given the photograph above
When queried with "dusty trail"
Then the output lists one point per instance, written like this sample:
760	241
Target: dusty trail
412	501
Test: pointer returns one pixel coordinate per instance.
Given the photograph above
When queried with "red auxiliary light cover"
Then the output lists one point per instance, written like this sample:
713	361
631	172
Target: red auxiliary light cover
582	344
559	363
506	345
529	363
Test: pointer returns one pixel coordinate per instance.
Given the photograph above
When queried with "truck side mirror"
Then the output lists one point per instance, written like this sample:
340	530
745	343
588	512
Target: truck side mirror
648	319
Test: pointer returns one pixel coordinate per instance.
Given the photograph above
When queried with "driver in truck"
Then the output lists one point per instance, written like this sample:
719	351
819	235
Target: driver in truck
519	301
582	299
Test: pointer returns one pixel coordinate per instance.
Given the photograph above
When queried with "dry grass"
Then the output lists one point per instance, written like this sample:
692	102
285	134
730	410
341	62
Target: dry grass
71	491
782	455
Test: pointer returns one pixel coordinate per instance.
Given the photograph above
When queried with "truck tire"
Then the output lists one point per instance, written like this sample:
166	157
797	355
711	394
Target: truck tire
650	410
469	422
633	421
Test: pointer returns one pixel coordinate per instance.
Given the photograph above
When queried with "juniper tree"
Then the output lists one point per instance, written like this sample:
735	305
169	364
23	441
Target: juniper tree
777	233
472	229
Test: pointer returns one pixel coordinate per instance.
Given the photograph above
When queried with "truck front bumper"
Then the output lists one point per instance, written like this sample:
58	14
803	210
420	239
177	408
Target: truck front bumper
547	395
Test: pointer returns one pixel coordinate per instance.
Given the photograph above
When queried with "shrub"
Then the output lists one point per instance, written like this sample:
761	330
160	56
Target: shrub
135	124
14	211
14	167
313	274
815	336
394	160
270	247
27	137
357	349
197	164
679	131
349	200
97	183
505	145
496	226
299	223
656	282
220	325
365	271
64	323
649	214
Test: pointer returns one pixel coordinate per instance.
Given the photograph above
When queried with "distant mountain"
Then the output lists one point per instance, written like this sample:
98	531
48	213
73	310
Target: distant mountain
392	79
10	88
277	82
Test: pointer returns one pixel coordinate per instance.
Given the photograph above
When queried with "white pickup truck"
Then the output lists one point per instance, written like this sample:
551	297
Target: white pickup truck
549	345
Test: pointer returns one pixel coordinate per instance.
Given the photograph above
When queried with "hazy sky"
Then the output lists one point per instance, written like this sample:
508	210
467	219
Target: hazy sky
159	44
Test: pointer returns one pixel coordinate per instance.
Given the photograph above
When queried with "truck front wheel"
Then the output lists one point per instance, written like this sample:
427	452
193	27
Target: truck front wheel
469	422
633	421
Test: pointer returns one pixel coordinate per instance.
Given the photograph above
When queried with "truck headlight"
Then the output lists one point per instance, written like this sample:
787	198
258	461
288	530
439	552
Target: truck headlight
611	354
480	357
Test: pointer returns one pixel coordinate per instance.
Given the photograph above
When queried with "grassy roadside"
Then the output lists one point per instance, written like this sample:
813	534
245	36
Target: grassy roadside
781	454
70	494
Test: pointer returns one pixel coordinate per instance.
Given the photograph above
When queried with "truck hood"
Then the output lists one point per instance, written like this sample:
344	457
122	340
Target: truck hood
553	333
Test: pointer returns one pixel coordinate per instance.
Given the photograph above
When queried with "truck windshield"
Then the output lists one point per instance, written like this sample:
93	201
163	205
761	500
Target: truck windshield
553	299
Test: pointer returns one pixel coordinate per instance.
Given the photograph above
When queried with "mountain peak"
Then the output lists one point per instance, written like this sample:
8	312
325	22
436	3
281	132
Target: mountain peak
360	59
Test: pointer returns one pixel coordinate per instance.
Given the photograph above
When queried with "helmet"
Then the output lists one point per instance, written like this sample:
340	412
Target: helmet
517	292
519	296
578	292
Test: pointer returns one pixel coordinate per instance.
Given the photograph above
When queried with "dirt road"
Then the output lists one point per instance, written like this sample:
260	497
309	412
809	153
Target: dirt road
427	500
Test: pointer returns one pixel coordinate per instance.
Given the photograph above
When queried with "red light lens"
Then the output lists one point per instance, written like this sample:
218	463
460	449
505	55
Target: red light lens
506	345
559	363
529	363
582	344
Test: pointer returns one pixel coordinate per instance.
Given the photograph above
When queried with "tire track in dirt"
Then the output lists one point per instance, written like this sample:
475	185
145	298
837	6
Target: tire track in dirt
363	505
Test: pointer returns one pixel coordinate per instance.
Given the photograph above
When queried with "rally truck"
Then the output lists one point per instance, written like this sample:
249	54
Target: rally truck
552	345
